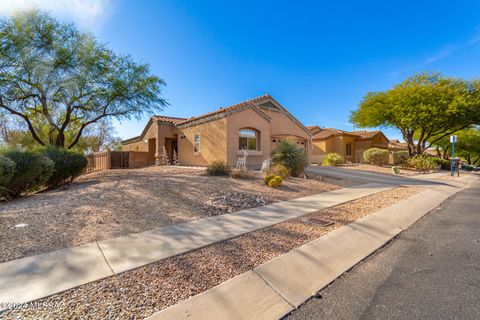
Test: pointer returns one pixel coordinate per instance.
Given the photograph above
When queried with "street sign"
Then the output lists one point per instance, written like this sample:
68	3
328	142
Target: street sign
453	140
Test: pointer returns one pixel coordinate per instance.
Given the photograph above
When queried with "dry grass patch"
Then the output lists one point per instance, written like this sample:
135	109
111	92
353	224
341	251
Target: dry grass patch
141	292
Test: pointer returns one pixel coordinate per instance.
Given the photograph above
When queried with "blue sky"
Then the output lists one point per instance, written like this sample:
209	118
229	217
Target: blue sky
316	58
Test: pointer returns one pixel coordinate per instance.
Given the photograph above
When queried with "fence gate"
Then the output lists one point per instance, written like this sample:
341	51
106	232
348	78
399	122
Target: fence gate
119	159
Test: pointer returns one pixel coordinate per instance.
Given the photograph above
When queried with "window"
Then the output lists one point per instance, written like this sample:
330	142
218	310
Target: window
248	139
196	143
349	149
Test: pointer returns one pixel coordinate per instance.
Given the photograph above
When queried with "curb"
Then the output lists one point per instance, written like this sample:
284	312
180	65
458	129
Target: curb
297	275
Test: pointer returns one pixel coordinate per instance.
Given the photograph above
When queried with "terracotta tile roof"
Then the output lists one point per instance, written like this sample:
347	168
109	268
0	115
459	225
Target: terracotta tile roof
366	134
396	144
325	133
313	129
173	120
226	109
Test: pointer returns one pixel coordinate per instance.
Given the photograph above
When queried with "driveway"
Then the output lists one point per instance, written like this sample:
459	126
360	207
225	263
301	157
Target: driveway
431	272
373	177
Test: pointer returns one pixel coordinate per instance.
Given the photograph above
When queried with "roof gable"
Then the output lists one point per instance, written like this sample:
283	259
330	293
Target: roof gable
225	111
272	103
155	118
366	135
325	133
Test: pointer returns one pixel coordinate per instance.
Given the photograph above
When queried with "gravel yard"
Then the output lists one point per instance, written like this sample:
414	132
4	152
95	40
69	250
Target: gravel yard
106	204
141	292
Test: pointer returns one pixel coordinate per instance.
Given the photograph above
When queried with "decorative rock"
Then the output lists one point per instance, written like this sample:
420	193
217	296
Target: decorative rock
227	202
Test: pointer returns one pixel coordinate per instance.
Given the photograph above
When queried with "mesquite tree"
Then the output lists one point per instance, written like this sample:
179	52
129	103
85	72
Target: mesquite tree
425	108
53	75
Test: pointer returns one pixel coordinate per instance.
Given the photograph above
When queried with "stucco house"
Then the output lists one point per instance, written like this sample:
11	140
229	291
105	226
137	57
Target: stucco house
350	145
254	126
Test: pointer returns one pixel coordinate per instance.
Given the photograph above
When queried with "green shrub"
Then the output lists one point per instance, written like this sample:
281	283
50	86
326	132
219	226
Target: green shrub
7	169
399	157
468	167
422	162
275	182
32	171
333	159
280	170
442	163
68	165
218	168
376	156
290	155
239	174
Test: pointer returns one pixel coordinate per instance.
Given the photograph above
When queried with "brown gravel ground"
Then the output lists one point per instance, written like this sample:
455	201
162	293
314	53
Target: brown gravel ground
388	170
139	293
107	204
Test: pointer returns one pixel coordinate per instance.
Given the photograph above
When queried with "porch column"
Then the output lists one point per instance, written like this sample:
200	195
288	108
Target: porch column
159	149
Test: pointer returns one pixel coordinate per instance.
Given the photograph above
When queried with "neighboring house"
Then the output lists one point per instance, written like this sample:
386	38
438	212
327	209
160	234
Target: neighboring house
350	145
396	145
254	126
367	140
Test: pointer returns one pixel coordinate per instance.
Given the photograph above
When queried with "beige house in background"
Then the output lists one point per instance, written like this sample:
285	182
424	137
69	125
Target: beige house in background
350	145
254	126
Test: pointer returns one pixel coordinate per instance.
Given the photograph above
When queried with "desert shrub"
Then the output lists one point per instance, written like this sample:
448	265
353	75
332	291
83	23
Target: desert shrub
422	162
267	178
32	171
442	163
7	169
239	174
376	156
290	155
218	168
68	165
275	182
280	170
399	157
333	159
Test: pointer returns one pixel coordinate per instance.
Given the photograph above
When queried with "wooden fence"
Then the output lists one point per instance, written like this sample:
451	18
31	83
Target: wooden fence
117	160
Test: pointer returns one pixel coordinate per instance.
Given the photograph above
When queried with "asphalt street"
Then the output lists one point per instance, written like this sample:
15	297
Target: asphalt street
431	271
371	177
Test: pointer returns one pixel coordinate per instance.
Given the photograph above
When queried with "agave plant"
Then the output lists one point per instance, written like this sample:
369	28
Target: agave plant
290	155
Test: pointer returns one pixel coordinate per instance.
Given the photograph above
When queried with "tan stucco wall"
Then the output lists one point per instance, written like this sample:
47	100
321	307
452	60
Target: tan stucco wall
337	144
377	141
219	138
282	126
141	145
213	143
319	150
252	120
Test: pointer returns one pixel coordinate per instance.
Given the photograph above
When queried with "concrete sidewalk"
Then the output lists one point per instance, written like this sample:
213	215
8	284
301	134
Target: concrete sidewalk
277	287
34	277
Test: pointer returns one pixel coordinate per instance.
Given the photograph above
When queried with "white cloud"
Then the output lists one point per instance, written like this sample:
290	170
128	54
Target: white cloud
442	54
86	13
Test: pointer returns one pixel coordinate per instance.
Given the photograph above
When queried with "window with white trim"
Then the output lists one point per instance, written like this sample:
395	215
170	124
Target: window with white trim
248	139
